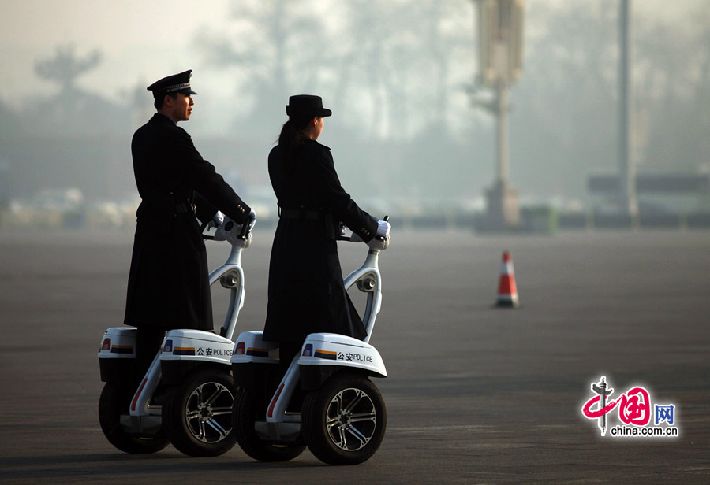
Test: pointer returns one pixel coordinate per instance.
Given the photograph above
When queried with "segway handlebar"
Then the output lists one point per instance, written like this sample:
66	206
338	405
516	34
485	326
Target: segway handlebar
236	234
351	236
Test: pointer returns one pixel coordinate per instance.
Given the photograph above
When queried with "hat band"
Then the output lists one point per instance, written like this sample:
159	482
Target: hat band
307	111
177	87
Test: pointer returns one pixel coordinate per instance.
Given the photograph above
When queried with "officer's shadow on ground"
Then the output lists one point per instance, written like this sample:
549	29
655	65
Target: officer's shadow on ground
68	466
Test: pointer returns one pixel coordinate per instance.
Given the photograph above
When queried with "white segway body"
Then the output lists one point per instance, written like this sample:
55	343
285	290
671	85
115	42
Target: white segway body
331	349
196	346
251	348
319	349
118	343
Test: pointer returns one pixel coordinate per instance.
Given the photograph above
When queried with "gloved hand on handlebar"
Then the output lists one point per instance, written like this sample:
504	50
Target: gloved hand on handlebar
235	233
217	220
382	236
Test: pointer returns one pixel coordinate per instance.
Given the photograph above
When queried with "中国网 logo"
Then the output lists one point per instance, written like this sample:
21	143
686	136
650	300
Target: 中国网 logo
637	415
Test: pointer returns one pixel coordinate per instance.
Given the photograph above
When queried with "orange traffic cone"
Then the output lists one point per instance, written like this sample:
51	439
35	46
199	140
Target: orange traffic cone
507	291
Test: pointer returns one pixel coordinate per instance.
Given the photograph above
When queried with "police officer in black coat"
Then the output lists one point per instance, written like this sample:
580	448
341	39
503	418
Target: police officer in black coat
168	285
306	291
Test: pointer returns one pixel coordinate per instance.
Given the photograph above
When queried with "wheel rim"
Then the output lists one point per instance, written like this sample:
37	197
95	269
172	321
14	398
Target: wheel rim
351	419
208	412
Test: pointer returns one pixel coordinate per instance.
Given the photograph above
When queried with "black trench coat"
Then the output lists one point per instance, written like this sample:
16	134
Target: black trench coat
168	284
306	292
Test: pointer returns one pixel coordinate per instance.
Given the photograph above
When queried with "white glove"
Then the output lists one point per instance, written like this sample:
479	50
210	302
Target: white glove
383	228
381	240
217	219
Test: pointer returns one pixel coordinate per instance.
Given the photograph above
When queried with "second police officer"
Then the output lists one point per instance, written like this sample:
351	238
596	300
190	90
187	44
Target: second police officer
306	291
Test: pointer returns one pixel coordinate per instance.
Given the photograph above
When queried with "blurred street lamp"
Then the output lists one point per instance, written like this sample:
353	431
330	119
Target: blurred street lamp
500	55
627	170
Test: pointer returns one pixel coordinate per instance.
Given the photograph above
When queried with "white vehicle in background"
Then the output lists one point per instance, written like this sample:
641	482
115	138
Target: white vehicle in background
58	208
186	396
111	214
325	400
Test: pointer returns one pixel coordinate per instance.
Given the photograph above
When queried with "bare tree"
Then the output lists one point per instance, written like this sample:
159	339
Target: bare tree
276	44
674	87
65	67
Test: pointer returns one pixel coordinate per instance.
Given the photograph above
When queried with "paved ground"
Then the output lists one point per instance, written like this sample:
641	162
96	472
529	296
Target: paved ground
475	394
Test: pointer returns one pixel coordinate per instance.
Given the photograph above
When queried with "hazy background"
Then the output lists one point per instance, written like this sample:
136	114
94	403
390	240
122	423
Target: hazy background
406	132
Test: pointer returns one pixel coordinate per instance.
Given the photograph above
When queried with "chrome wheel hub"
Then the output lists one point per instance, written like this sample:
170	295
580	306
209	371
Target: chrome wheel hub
208	412
351	419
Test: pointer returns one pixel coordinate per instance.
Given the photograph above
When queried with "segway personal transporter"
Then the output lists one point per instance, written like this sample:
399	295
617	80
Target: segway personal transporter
326	400
187	394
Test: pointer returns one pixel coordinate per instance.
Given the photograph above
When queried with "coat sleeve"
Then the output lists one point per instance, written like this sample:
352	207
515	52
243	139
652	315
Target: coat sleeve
339	201
208	183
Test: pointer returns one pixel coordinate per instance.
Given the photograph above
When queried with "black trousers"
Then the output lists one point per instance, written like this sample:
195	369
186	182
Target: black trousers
148	342
287	350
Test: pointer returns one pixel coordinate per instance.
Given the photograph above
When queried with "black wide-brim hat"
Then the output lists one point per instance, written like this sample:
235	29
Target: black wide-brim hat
177	83
306	106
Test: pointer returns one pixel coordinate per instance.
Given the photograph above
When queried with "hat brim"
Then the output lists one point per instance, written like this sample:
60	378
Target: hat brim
323	113
186	91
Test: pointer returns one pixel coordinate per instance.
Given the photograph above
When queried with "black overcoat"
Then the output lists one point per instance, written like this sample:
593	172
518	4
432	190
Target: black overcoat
168	283
306	292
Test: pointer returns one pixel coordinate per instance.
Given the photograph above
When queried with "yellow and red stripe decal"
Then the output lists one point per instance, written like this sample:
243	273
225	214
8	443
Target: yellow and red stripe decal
257	352
184	351
121	349
326	354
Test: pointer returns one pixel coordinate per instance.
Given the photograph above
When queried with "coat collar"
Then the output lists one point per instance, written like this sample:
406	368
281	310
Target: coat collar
161	118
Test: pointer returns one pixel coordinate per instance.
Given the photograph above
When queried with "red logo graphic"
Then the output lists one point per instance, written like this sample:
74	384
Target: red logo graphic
634	407
634	412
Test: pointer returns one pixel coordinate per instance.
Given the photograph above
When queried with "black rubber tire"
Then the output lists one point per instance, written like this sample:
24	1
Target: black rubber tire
113	402
352	449
245	415
201	434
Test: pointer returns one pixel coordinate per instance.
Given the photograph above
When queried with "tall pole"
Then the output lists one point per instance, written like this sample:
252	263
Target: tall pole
627	171
500	35
502	132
